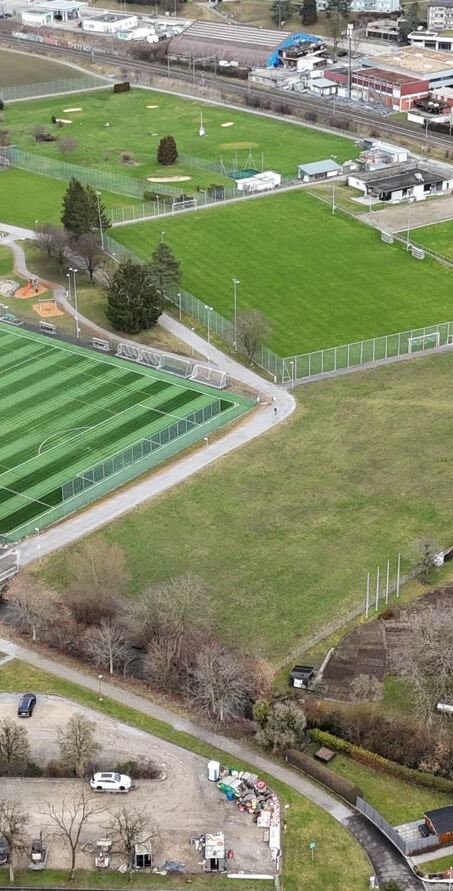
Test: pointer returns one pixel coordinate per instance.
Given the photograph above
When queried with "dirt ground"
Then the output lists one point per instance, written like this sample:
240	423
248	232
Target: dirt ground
180	805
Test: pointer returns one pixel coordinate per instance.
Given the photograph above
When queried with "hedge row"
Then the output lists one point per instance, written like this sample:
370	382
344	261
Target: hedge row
342	787
378	762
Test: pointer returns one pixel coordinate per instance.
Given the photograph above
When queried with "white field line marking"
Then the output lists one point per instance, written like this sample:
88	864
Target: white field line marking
26	497
29	359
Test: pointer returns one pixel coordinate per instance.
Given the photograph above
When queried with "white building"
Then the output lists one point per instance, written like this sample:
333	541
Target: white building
382	6
260	182
42	13
402	182
431	40
318	170
109	23
440	15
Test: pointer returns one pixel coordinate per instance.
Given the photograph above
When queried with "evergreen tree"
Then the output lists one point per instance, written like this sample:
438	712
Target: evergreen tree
309	12
133	301
164	269
167	153
410	22
281	11
80	209
342	7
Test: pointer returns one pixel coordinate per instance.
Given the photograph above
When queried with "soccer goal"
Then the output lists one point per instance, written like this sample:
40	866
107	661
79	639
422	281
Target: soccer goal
183	205
423	342
212	376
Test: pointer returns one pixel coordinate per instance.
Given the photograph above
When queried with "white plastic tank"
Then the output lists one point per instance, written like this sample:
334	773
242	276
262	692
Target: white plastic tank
213	771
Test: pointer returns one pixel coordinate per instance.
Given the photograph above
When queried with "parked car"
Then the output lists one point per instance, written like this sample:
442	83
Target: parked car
4	851
26	705
110	782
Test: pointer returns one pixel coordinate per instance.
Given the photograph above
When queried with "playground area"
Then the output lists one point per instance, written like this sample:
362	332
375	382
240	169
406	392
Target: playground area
47	309
33	288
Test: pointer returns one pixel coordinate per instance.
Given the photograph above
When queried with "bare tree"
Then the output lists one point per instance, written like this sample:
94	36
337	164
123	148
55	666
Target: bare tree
44	238
32	607
106	646
281	725
218	683
14	747
77	743
88	249
336	24
59	246
67	145
171	609
129	827
96	575
426	658
70	819
12	825
367	687
252	330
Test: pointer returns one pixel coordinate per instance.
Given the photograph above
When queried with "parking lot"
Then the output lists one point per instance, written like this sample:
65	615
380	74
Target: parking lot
183	803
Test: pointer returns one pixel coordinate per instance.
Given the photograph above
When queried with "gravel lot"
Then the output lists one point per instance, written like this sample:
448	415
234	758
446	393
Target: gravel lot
394	218
182	804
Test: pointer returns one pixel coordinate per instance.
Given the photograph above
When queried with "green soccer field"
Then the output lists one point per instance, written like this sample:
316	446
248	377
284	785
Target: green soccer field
321	280
65	409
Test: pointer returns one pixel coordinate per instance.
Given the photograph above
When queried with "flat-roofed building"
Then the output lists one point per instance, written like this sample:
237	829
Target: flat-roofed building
440	14
402	182
423	64
388	88
109	23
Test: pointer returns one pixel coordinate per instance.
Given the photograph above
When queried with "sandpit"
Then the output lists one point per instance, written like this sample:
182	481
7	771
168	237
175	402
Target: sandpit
68	110
228	124
47	309
27	291
168	179
152	106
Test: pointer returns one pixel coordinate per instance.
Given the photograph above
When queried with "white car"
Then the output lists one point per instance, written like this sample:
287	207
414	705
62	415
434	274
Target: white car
110	782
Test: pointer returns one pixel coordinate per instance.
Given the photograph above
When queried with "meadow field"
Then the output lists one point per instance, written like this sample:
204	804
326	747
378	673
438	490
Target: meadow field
17	68
438	237
67	409
136	129
285	531
321	280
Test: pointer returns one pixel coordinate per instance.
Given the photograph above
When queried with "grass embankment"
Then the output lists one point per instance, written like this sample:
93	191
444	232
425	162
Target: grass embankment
438	237
27	198
438	865
285	529
136	129
24	68
321	280
337	852
85	879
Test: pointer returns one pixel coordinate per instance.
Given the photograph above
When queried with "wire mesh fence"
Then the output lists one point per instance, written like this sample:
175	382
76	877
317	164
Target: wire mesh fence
53	87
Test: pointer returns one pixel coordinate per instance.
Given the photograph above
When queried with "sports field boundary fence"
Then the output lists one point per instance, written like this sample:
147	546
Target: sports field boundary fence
55	87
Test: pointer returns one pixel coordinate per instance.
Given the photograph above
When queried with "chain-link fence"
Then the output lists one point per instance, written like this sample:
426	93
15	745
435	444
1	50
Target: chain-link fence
54	87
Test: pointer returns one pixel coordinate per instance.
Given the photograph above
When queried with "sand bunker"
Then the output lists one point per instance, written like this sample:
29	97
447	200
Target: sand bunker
68	110
168	179
47	309
228	124
152	106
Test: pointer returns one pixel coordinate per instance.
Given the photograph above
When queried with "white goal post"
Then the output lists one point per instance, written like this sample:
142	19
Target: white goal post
212	376
423	342
183	205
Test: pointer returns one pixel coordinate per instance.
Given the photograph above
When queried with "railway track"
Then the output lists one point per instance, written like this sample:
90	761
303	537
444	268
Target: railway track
240	89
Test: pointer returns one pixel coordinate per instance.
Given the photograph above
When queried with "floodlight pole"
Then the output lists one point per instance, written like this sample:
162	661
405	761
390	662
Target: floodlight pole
377	588
74	271
367	601
349	31
162	236
209	309
179	296
387	582
38	543
236	282
333	197
398	576
101	231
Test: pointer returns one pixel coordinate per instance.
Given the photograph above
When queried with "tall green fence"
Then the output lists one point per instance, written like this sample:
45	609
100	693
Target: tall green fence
54	87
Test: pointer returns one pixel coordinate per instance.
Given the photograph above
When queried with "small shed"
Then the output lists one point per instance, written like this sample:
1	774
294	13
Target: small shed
214	851
440	822
322	86
259	182
318	170
142	856
301	676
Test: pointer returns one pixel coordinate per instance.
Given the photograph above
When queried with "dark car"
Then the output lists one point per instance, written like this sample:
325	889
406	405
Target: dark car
4	851
26	705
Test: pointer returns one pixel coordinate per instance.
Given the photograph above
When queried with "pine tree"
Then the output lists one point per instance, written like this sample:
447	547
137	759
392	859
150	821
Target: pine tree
164	269
281	11
309	12
167	153
80	209
133	301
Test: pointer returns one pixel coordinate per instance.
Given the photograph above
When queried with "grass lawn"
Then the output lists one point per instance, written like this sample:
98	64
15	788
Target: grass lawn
284	530
438	237
27	197
136	129
397	801
86	879
6	262
25	68
321	280
304	821
437	866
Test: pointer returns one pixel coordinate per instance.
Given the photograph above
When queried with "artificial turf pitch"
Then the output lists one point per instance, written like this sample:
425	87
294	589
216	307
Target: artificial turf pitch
65	408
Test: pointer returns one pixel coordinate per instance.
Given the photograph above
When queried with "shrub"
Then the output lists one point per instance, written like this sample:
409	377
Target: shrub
167	153
140	770
378	762
121	87
2	105
341	786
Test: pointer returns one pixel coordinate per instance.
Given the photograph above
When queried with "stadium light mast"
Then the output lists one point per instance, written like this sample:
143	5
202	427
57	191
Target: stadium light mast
209	310
349	30
236	282
101	230
74	272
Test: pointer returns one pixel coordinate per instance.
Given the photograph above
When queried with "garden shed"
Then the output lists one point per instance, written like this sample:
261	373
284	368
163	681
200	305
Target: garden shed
440	822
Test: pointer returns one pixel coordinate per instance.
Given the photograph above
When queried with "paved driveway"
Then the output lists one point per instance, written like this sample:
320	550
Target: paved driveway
422	213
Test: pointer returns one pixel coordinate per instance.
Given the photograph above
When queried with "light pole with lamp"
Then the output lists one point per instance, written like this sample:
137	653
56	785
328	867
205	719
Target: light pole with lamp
411	201
100	676
334	158
179	296
236	282
349	30
38	543
162	236
36	225
74	272
68	276
101	230
209	309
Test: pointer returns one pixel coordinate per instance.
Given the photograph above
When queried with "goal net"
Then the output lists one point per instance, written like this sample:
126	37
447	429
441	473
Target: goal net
423	342
212	376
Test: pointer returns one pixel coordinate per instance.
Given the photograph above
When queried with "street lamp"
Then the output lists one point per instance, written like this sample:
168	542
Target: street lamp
68	276
179	296
38	543
100	676
209	309
74	271
36	224
349	30
236	282
101	231
162	235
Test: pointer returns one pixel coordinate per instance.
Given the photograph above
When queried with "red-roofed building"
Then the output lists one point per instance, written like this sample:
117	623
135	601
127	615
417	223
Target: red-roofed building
396	91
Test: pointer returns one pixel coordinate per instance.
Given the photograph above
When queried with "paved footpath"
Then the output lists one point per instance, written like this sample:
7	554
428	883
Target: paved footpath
387	863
